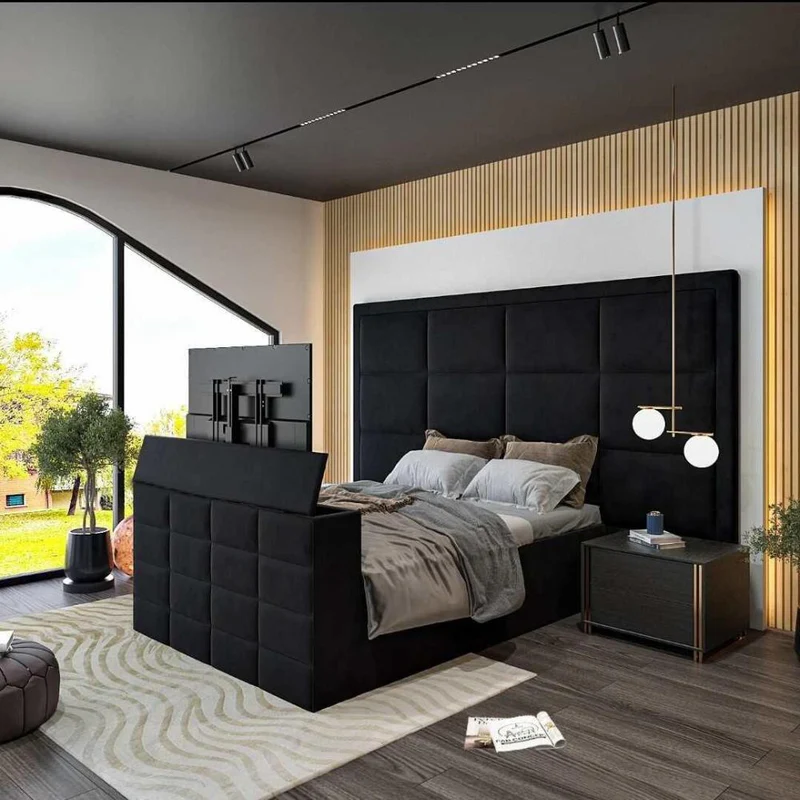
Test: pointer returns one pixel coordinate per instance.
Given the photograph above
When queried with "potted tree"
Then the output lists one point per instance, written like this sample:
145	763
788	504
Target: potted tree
781	539
84	440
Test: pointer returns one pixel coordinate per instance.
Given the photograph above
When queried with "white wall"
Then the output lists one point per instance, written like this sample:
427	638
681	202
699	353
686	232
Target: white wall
262	250
724	231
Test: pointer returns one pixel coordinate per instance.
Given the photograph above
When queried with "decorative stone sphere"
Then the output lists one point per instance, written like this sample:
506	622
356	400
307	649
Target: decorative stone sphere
122	546
29	685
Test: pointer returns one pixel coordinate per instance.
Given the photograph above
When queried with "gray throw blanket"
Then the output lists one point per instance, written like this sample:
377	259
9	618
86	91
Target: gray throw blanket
419	556
365	503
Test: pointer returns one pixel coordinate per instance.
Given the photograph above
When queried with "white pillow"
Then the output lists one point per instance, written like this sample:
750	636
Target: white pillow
437	471
530	484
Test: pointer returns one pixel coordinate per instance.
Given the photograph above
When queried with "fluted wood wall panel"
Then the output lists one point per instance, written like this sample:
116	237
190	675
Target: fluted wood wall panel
751	145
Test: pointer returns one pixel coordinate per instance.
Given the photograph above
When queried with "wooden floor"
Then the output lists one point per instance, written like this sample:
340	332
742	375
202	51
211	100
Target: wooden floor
640	724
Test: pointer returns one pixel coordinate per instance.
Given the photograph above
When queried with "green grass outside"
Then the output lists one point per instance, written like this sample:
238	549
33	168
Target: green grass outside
32	541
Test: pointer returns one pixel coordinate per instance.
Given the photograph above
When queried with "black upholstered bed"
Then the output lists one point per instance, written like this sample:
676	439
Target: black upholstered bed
237	566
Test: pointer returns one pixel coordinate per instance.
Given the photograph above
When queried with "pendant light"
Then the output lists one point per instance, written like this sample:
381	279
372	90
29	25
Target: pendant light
649	423
700	450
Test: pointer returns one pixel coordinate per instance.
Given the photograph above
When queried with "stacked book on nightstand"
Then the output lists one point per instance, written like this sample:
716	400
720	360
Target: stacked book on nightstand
658	541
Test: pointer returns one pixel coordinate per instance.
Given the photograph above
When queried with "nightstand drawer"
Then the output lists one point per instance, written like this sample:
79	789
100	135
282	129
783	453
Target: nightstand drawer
642	614
641	578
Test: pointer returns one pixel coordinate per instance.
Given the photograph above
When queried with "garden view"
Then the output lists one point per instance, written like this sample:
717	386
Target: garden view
34	385
56	347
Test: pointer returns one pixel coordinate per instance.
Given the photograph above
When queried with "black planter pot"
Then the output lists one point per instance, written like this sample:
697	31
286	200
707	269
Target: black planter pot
797	633
88	562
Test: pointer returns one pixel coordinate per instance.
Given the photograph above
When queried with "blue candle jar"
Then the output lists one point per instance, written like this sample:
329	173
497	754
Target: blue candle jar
655	523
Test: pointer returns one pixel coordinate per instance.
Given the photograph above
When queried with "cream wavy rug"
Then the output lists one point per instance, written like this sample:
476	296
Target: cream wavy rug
157	724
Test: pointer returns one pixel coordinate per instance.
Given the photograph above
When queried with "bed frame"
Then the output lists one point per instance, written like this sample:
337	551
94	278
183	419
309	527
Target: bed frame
236	564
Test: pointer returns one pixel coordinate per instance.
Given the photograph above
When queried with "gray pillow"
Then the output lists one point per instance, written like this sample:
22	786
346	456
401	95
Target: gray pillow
518	482
437	471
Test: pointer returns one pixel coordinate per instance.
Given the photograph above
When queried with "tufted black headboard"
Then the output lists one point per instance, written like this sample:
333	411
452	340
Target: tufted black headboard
550	363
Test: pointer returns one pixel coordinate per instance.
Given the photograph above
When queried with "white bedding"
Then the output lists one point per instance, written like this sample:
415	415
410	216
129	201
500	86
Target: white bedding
527	526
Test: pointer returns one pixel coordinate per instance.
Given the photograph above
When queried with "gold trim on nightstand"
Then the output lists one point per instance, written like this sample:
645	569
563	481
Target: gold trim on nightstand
586	588
699	640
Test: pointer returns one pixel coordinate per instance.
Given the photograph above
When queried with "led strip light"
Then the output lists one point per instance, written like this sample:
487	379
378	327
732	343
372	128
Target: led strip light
468	66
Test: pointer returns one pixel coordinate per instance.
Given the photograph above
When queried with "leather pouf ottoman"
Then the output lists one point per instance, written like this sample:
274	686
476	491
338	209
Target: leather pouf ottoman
29	684
122	546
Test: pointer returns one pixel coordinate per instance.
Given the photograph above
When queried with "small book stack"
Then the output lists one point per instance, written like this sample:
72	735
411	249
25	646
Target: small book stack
658	541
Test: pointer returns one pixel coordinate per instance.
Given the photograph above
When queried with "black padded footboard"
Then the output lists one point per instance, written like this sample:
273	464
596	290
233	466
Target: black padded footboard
257	592
271	591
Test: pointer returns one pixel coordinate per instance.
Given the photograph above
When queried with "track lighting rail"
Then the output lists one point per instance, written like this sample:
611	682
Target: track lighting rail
417	84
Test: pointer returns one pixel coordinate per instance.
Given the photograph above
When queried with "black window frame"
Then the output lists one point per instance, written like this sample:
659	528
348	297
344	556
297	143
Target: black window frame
121	240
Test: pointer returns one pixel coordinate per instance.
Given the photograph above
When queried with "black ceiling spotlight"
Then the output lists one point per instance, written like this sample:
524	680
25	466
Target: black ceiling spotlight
621	37
242	159
601	43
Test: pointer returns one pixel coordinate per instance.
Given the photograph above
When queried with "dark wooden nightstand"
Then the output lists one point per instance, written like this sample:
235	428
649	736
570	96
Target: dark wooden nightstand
697	598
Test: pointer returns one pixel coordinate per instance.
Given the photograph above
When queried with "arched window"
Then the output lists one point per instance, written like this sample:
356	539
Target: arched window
82	301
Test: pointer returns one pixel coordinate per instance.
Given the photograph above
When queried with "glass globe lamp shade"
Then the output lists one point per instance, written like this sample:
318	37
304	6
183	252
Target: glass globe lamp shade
648	423
701	451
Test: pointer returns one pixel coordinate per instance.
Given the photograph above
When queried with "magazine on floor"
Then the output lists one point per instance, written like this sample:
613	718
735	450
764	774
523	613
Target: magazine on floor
513	733
5	641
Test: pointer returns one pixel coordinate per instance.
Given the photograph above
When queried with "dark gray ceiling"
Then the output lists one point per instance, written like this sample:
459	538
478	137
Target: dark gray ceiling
160	84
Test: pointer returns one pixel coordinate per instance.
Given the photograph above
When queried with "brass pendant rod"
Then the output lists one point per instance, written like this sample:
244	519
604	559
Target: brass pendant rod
673	178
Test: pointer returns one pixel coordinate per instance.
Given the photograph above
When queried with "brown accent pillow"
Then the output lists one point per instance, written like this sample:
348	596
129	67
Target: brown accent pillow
493	448
578	454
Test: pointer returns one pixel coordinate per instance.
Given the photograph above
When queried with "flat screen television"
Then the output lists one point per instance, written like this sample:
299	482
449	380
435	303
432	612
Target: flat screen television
259	396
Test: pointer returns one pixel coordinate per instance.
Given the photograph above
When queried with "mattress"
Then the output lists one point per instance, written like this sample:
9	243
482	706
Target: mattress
528	526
